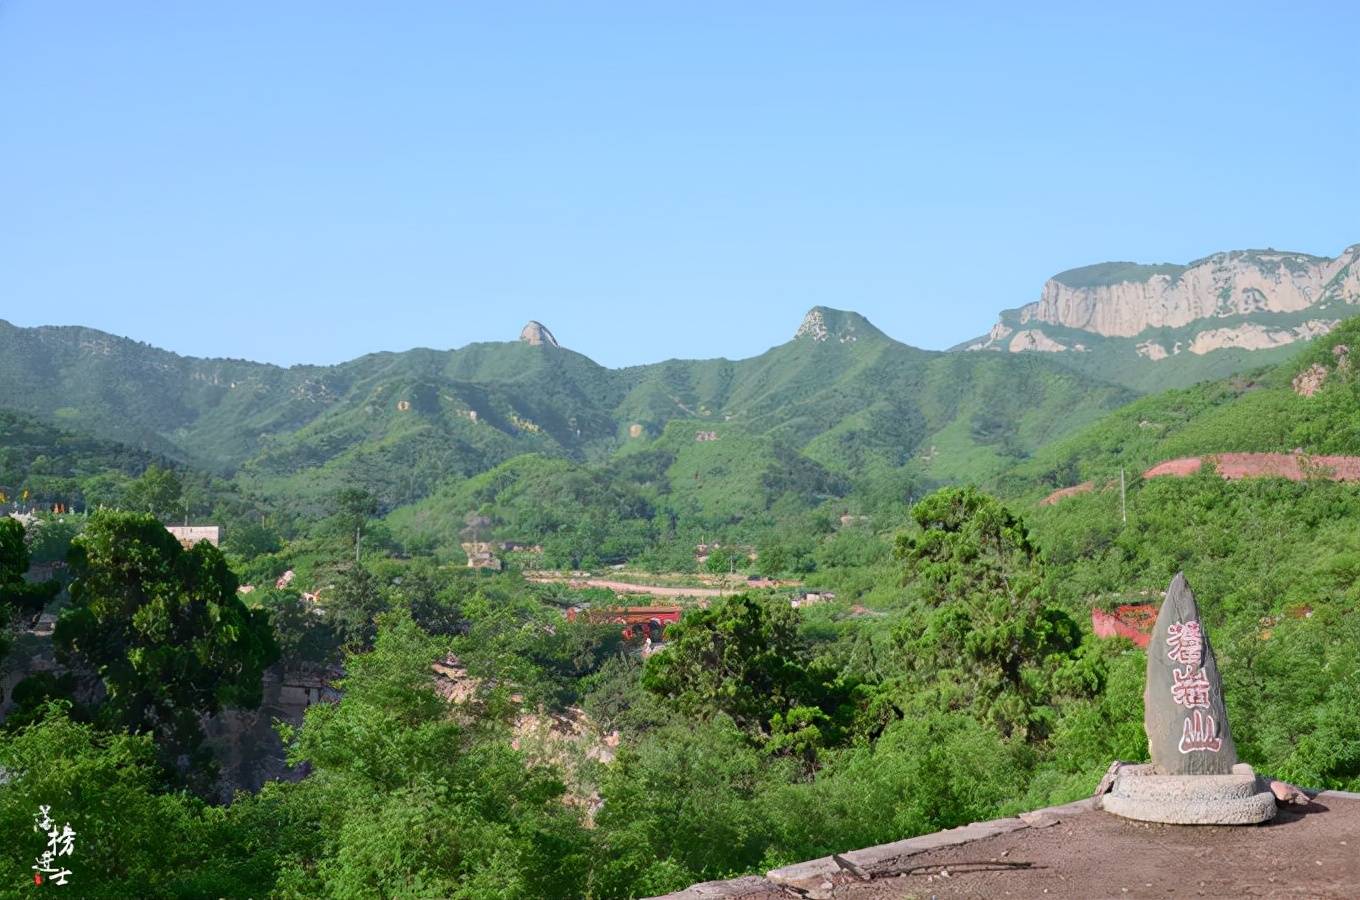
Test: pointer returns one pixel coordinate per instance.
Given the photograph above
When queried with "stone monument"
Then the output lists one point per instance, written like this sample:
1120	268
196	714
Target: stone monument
1194	777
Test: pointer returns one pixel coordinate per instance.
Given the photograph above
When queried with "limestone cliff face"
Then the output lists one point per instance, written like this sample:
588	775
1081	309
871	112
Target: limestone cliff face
1124	300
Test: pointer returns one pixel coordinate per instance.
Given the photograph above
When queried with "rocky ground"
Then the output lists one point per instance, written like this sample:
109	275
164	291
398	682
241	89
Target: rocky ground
1306	851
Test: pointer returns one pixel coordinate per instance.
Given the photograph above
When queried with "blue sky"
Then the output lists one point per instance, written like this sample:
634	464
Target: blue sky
306	182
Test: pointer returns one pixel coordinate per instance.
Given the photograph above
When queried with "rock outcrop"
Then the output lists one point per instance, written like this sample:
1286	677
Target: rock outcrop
1123	300
1034	339
825	325
536	334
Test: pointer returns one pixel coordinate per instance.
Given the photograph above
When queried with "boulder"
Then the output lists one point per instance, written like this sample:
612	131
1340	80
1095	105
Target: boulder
1287	793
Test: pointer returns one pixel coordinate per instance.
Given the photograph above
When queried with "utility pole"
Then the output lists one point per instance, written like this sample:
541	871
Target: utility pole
1123	510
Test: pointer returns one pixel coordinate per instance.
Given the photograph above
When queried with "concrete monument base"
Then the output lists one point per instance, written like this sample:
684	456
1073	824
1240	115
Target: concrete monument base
1237	799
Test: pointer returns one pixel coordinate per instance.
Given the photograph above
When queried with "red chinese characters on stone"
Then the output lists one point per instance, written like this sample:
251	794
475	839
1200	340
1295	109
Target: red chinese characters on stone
1190	688
1198	734
1186	642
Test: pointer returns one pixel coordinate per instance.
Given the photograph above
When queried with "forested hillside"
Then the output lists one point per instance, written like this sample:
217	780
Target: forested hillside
840	397
938	667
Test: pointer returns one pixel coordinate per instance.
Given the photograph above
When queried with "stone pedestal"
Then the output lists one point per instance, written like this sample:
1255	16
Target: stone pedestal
1239	798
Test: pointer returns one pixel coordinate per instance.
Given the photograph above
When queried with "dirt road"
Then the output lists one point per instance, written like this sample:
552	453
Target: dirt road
623	587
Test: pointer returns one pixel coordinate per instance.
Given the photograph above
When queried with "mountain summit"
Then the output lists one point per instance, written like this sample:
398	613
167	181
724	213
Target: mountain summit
823	324
536	333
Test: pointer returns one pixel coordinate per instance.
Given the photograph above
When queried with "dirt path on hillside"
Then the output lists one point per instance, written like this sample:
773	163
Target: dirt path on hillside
623	587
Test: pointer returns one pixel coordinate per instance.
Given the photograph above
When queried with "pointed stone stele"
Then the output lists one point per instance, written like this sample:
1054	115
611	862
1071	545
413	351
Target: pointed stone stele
1194	777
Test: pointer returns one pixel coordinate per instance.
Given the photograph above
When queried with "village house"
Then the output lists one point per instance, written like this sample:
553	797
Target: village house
189	535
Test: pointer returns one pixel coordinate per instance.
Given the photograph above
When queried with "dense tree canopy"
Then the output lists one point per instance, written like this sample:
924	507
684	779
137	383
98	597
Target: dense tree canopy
162	628
18	597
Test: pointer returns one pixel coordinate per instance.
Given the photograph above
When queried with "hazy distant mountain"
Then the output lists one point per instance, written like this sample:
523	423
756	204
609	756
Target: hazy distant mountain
1153	326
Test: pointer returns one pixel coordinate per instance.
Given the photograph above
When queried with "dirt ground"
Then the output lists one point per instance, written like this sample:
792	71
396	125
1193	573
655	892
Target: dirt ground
1306	851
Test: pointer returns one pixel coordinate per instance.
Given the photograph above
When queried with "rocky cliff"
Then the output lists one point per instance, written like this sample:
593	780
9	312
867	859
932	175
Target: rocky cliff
1125	300
536	334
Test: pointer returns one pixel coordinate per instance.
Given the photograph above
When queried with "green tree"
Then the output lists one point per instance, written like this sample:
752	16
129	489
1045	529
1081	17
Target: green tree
163	629
772	559
132	838
352	605
49	540
683	805
742	657
105	489
17	596
249	540
725	559
353	508
417	798
158	491
987	637
303	638
430	597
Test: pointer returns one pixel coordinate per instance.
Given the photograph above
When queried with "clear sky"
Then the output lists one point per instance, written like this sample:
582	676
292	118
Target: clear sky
309	181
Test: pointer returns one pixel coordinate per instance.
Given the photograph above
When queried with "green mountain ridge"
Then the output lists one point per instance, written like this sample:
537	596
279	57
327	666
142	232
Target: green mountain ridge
712	441
841	394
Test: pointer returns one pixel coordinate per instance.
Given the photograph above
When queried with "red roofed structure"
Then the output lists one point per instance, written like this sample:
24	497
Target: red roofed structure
650	621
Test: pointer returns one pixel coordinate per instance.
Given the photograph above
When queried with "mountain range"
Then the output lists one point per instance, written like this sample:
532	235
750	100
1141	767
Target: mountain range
838	400
840	394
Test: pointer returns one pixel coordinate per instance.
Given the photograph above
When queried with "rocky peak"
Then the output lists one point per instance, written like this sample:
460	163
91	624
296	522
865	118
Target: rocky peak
823	324
536	333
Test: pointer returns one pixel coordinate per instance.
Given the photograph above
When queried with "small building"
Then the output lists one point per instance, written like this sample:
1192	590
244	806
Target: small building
480	555
189	535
